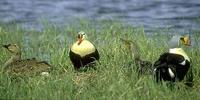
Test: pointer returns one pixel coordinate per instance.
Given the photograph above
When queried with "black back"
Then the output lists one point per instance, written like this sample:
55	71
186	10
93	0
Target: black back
172	61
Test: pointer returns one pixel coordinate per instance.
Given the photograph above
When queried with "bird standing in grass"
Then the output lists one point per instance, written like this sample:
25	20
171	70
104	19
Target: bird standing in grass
174	65
143	66
17	66
83	53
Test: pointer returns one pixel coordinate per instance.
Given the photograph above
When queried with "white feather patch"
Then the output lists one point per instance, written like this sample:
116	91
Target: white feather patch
171	73
183	63
154	69
45	73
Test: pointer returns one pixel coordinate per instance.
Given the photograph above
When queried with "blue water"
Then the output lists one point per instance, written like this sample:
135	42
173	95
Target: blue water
175	15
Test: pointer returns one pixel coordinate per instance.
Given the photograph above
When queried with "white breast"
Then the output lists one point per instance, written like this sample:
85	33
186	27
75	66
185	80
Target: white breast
85	48
179	51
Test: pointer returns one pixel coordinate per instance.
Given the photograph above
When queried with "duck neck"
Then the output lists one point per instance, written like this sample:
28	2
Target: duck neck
12	59
135	51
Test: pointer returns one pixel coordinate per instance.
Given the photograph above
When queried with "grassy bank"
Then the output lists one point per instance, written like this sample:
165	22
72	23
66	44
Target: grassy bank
114	79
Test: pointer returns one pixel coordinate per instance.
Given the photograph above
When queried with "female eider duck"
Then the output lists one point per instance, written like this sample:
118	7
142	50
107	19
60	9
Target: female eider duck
83	52
144	67
17	66
174	65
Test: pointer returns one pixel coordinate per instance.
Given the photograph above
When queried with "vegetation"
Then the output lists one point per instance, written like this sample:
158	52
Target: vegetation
114	78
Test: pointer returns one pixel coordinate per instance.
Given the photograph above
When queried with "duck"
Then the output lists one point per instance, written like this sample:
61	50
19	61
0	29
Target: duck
83	53
174	65
144	67
17	66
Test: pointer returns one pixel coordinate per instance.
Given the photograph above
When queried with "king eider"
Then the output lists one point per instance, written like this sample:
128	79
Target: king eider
144	67
17	66
83	53
174	65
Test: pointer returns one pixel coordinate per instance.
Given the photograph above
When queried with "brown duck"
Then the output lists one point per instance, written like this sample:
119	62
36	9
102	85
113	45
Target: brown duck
17	66
143	66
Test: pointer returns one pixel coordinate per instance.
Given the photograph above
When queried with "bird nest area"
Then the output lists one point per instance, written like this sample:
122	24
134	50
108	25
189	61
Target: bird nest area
114	77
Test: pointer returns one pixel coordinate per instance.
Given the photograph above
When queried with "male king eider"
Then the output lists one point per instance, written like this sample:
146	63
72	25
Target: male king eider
174	65
83	52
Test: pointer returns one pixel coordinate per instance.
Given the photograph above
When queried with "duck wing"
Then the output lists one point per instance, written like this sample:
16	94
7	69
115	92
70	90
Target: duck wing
170	66
28	66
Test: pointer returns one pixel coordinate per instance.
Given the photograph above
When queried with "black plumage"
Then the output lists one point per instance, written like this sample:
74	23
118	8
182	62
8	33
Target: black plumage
79	61
174	65
83	53
172	61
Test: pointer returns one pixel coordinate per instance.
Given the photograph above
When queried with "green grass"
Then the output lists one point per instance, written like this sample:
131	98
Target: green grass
114	77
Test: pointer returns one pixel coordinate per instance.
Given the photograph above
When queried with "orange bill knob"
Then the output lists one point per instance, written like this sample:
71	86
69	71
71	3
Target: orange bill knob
186	40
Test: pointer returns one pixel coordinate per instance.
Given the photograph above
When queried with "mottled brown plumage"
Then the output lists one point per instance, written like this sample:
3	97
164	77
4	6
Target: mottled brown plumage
143	66
17	66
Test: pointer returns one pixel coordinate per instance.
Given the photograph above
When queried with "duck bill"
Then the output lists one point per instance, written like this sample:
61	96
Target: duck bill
79	41
6	46
186	40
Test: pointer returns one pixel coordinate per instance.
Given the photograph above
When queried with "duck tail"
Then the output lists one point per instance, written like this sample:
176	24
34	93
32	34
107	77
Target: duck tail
44	62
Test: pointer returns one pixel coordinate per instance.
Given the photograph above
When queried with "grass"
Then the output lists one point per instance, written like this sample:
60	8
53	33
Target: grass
114	77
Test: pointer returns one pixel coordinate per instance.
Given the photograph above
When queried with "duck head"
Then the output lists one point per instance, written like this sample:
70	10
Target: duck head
178	40
81	36
13	48
185	40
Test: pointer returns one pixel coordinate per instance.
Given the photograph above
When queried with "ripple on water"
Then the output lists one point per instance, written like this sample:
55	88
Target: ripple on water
152	14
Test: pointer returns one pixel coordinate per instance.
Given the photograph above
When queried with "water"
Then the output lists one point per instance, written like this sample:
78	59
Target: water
177	15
